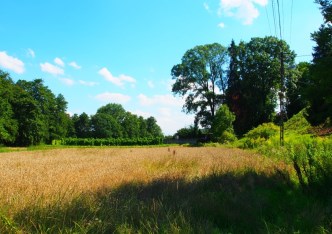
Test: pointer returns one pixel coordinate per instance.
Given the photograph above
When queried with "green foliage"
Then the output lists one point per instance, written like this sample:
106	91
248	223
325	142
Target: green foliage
296	85
254	78
8	124
111	141
227	137
112	121
189	132
319	92
199	77
259	135
312	161
298	123
222	127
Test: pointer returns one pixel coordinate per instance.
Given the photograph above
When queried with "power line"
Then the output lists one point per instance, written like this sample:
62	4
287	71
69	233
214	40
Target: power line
274	18
291	22
268	19
279	19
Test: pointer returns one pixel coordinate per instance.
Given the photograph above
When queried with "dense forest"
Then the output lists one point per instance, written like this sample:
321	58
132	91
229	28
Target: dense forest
30	114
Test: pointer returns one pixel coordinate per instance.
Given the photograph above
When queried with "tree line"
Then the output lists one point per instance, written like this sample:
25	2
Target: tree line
30	114
249	78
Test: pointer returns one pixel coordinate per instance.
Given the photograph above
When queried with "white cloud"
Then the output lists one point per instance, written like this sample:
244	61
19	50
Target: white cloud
67	81
31	53
113	97
59	62
118	81
88	83
206	6
150	84
52	69
165	100
171	119
245	10
221	25
142	113
11	63
75	65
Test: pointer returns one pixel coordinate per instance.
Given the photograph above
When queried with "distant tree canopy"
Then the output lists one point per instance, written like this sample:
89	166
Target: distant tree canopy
112	121
30	114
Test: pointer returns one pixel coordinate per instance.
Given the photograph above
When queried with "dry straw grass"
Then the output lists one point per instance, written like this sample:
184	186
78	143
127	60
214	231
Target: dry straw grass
62	174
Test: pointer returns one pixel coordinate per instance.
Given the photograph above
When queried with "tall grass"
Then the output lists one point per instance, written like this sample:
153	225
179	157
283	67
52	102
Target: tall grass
153	190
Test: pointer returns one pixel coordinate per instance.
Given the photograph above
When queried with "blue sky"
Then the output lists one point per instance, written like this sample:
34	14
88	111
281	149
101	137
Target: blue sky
122	51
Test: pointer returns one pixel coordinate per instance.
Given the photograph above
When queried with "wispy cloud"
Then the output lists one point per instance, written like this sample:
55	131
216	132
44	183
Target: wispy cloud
52	69
75	65
88	83
11	63
31	53
221	25
59	62
206	6
118	81
113	97
67	81
150	84
165	100
245	10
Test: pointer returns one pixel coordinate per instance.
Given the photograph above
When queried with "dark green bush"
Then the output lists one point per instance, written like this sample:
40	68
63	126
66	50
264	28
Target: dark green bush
112	141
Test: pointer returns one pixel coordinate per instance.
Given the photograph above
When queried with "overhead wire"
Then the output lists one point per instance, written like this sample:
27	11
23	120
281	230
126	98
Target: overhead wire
279	17
291	23
268	19
274	18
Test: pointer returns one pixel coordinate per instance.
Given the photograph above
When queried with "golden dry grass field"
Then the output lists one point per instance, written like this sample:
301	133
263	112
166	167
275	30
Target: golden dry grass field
152	190
61	174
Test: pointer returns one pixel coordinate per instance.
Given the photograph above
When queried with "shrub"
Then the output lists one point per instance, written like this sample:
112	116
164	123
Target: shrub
298	123
312	160
112	141
258	136
227	137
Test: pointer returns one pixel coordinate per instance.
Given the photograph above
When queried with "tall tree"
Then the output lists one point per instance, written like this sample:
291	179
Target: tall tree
254	87
8	124
82	125
201	79
106	126
319	92
295	89
153	129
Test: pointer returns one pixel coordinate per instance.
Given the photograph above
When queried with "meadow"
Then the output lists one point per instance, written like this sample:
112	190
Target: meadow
154	190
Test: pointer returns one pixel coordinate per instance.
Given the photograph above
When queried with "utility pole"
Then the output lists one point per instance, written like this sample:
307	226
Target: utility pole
282	97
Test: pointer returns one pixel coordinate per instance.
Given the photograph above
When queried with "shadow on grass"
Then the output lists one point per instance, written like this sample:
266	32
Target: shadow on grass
220	203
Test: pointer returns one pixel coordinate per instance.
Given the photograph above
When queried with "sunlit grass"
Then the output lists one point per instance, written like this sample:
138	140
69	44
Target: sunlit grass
151	190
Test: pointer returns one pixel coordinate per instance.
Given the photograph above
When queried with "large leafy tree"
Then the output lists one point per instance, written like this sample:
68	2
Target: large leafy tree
108	120
201	79
223	122
152	128
255	79
82	125
40	114
319	92
295	87
8	124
